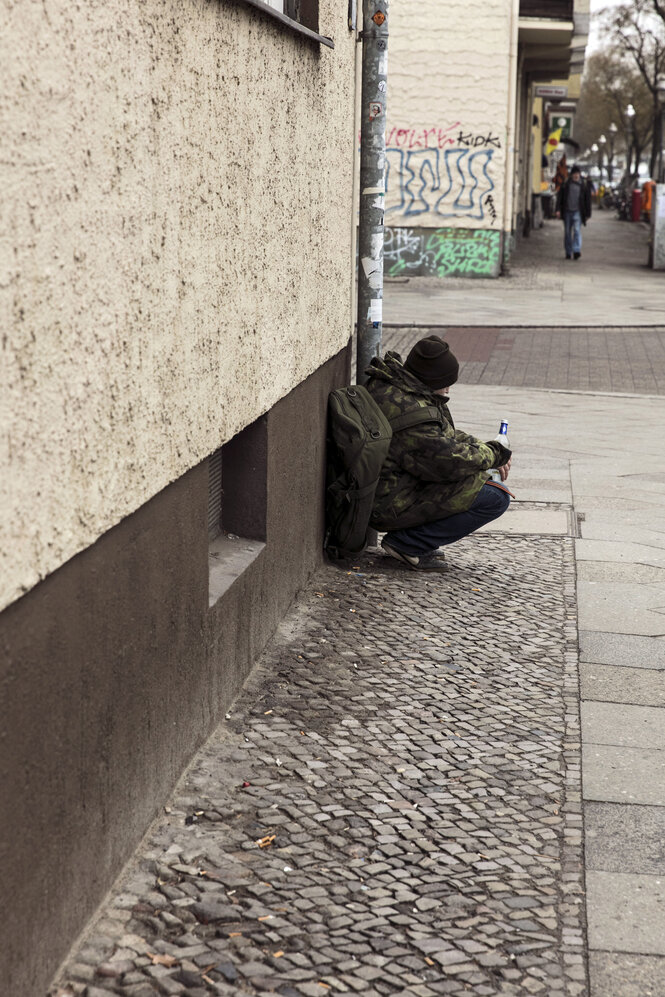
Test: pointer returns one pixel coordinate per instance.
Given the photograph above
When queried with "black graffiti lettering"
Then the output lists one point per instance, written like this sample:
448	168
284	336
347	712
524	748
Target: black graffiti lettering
478	141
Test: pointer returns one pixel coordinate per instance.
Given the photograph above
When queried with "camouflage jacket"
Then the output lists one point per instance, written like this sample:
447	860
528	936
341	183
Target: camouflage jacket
432	470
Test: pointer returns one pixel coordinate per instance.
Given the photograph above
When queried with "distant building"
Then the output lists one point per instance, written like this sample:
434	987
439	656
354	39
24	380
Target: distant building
459	135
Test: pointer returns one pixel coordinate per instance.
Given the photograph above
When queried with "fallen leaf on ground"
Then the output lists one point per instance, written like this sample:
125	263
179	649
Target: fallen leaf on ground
162	960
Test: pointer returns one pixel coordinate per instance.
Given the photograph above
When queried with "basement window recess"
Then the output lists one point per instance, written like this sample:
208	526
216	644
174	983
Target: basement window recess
300	16
237	502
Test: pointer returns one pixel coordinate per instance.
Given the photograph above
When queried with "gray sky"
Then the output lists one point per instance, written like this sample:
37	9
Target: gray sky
595	6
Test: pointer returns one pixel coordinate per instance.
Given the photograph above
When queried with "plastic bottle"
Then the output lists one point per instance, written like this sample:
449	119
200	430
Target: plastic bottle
501	437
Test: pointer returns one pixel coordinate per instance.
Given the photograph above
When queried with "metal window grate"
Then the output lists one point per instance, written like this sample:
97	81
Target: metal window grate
215	494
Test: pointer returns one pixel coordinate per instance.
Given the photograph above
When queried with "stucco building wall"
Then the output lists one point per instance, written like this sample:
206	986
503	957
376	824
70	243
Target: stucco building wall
176	275
448	136
175	254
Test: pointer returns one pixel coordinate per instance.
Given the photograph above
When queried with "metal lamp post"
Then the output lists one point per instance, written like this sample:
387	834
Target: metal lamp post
610	156
661	101
602	141
594	150
630	115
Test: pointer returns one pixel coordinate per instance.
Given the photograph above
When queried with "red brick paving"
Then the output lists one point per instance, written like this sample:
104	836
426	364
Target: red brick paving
630	360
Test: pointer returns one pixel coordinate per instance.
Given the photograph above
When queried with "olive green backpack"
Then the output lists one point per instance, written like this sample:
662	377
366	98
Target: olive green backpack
359	436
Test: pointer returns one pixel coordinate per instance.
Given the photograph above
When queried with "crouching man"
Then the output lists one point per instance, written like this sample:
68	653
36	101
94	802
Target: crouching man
433	487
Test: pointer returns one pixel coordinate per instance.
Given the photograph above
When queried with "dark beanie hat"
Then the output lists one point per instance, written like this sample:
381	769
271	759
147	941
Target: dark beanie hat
433	363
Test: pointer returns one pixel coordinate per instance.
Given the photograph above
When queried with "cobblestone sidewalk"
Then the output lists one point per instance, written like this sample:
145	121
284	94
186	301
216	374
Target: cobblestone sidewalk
392	807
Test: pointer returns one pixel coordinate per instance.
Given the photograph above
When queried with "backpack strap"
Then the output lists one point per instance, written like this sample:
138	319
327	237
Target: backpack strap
427	413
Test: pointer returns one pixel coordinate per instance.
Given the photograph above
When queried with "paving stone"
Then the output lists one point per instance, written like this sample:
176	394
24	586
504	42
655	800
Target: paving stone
624	775
631	650
619	684
609	826
423	817
626	975
626	912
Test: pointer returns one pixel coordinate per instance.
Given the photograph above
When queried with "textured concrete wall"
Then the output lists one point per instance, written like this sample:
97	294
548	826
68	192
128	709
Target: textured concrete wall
102	708
448	113
175	252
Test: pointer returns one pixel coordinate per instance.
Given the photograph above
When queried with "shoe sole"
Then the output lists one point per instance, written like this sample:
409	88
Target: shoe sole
393	552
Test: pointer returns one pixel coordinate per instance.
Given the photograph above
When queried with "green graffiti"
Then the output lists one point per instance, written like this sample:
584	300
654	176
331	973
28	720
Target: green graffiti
442	252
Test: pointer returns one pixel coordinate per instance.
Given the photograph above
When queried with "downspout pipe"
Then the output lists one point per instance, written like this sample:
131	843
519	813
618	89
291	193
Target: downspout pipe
374	92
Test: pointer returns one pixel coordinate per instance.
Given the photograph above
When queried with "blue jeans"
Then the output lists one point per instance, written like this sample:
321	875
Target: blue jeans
572	232
490	503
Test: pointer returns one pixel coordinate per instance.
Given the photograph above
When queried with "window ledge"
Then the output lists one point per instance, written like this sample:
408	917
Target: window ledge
288	22
228	557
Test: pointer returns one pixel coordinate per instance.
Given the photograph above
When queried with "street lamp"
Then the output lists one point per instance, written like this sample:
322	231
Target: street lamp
660	86
602	141
610	157
630	114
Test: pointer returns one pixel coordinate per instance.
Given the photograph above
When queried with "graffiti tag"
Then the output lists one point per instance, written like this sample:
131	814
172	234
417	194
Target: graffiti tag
444	252
440	138
451	184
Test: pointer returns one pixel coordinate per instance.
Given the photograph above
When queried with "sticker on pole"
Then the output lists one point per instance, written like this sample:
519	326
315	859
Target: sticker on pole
376	310
375	109
379	18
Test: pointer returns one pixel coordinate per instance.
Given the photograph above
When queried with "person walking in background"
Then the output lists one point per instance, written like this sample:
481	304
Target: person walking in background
573	204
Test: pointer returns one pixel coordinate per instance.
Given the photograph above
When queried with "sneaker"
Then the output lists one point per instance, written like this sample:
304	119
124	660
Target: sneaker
577	255
417	562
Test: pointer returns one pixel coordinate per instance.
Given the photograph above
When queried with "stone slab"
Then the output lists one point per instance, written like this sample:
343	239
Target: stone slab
623	775
629	608
620	553
538	521
628	839
626	912
624	573
630	650
618	684
623	724
598	528
621	974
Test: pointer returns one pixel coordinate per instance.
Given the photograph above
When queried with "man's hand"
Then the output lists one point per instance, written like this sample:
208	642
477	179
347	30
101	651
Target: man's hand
558	214
504	471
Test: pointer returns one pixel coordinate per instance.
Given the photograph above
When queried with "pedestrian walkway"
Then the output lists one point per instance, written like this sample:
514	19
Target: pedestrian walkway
392	807
394	803
611	285
442	785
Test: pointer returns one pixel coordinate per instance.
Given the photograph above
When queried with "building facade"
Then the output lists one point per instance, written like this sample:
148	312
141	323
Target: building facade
459	149
177	297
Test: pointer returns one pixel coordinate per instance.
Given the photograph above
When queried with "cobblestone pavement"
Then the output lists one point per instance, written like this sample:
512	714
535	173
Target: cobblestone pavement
392	806
617	359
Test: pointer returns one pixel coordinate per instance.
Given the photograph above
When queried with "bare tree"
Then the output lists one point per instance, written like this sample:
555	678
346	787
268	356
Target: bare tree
609	85
637	28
